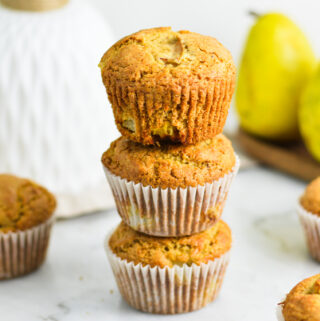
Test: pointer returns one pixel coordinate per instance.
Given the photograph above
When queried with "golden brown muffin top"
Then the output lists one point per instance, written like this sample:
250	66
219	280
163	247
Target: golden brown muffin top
199	248
310	200
303	302
170	165
164	57
23	203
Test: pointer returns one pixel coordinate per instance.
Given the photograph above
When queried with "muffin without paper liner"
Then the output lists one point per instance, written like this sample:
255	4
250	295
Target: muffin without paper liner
303	302
169	86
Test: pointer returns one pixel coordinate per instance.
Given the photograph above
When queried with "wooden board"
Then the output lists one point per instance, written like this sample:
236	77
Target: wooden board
290	158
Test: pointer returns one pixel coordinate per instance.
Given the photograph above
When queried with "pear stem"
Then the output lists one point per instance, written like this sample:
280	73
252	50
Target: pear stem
254	14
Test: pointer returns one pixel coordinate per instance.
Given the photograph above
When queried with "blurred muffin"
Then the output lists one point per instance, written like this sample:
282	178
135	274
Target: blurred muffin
23	204
310	200
26	210
309	213
303	301
167	85
170	190
169	275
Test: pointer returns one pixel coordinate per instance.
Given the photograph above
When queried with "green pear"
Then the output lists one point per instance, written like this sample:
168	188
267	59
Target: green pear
309	115
277	62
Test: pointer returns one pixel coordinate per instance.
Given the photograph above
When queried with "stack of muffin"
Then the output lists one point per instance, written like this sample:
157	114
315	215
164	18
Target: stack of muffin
171	170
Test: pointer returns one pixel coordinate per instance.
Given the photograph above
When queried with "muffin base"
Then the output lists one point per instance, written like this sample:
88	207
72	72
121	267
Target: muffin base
168	290
193	111
22	252
311	226
170	212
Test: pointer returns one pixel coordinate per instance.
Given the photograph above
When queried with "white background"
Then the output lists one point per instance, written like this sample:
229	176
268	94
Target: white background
226	20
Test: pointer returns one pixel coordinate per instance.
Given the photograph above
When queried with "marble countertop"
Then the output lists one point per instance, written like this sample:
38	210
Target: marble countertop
269	256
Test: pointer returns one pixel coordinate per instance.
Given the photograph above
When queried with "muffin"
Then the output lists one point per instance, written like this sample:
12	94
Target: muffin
309	213
168	86
303	301
169	275
26	218
171	189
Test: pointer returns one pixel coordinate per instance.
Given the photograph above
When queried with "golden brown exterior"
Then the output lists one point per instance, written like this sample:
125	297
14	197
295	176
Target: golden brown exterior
23	203
303	302
310	200
169	251
166	85
170	165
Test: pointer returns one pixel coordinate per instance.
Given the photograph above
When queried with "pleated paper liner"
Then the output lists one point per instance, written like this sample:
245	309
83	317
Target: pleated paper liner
311	226
170	212
22	252
168	290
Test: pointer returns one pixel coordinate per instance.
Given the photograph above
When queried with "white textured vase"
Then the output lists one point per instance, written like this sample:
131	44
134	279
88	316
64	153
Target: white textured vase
55	121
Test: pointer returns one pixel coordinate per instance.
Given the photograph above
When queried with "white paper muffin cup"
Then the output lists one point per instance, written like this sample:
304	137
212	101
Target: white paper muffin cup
311	226
170	212
168	290
22	252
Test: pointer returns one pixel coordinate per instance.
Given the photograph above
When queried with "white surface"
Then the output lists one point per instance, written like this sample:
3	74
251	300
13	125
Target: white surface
268	258
55	121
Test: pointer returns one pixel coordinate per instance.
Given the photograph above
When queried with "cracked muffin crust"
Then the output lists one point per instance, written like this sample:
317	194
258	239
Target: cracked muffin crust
303	302
170	165
167	85
23	204
199	248
310	200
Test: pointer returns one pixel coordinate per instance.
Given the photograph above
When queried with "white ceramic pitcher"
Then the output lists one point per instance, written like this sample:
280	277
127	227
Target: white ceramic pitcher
55	121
